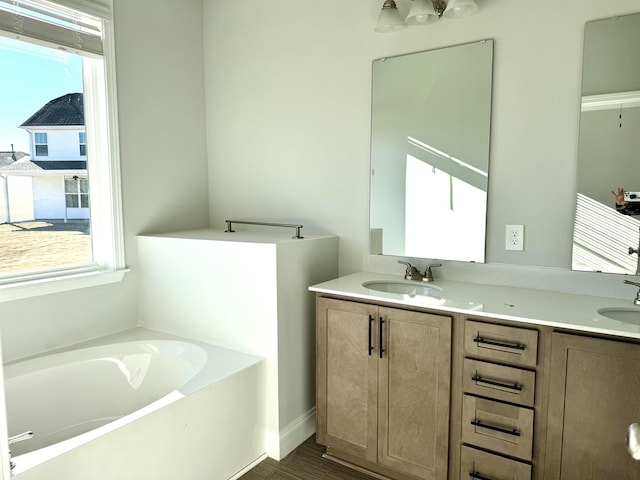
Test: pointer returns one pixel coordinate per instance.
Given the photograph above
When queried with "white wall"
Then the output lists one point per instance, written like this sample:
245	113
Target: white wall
288	113
48	196
164	170
20	195
63	144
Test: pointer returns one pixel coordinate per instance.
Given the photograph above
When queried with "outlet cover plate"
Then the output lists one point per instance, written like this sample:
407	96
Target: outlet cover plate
514	237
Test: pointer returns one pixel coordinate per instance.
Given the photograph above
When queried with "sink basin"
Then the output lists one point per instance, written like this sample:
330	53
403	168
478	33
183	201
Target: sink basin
404	288
621	314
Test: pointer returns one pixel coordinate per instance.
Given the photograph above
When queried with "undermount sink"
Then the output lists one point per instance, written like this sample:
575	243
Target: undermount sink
621	314
403	288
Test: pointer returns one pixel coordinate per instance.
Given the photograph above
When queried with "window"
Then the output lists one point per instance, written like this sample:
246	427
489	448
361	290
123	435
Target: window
41	144
76	191
82	140
70	32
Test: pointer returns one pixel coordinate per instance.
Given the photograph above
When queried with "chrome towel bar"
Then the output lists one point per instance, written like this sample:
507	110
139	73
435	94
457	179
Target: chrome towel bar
266	224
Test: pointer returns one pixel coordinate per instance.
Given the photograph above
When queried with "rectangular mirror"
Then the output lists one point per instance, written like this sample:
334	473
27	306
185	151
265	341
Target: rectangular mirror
609	148
430	128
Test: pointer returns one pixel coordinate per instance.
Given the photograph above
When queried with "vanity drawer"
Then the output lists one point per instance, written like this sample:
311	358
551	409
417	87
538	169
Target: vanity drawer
509	384
496	426
483	465
518	346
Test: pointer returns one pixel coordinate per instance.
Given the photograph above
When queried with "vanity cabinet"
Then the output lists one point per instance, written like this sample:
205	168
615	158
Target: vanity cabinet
499	400
594	395
383	388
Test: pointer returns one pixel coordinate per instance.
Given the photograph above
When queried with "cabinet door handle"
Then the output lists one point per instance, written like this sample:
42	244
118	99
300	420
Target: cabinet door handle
479	476
514	346
478	423
512	386
381	324
371	320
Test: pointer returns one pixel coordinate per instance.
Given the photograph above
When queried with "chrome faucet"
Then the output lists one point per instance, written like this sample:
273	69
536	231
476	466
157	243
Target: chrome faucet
636	300
412	273
637	252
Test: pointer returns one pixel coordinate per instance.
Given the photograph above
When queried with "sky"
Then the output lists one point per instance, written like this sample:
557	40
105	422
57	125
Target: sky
31	76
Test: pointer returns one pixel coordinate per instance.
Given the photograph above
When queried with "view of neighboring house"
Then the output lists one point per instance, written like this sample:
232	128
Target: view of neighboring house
50	183
20	208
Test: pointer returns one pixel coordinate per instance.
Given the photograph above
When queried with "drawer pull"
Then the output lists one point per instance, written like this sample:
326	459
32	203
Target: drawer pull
512	386
514	346
371	320
478	423
478	476
381	324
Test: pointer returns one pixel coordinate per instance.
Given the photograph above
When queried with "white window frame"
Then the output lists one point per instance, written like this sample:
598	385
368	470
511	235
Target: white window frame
79	193
82	142
38	142
103	165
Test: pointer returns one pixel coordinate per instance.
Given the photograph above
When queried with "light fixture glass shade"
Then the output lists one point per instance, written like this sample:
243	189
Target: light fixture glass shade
421	13
389	20
460	8
633	441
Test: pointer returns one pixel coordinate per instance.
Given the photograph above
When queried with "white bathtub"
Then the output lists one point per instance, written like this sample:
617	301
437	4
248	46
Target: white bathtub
131	402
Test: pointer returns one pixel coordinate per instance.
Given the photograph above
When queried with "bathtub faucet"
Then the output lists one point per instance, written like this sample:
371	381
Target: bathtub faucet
18	438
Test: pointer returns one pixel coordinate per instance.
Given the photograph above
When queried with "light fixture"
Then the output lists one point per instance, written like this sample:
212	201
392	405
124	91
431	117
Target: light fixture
389	19
460	8
633	441
422	12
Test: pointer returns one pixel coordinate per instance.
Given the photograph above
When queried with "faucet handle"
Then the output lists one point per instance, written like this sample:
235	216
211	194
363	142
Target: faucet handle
629	282
428	274
409	271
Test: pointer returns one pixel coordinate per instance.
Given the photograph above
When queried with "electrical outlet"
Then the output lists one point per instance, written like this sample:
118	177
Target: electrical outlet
514	237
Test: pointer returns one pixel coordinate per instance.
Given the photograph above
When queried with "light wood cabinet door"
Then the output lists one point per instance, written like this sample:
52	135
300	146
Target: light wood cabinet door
346	377
413	393
383	384
594	397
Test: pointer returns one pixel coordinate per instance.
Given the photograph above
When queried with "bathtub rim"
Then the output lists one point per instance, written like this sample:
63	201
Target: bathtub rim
206	376
210	373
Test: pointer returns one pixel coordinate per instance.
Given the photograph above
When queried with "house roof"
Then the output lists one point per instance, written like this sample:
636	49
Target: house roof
65	110
25	165
6	158
62	165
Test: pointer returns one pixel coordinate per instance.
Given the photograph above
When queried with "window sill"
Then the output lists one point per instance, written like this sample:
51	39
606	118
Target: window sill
61	283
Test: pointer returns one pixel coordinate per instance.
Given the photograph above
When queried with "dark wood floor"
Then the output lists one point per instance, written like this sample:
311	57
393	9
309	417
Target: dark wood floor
304	463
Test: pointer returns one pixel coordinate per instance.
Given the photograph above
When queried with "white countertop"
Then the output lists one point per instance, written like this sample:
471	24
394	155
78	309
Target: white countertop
541	307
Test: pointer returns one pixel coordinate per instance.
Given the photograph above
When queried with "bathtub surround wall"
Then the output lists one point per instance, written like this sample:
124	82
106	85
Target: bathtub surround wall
246	291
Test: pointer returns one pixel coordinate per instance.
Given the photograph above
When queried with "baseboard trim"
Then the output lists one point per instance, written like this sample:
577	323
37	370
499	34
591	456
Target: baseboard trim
281	444
297	432
248	467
